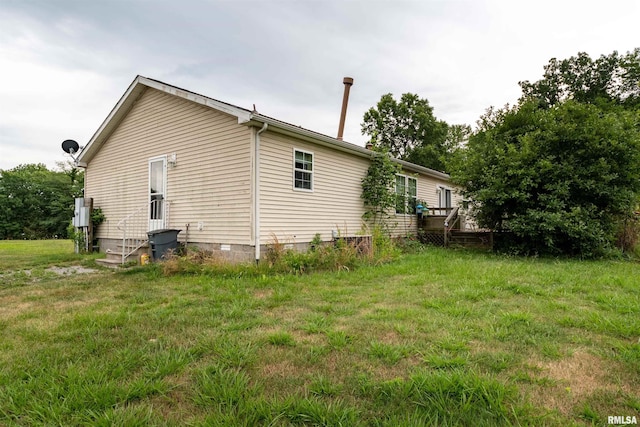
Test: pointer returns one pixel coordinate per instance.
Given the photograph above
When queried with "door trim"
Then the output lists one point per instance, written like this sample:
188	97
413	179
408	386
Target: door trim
157	223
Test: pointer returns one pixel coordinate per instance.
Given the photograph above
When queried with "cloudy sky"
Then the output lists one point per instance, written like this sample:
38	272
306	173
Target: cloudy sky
65	63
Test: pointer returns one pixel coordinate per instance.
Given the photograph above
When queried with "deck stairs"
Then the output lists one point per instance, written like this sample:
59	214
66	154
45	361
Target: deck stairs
445	230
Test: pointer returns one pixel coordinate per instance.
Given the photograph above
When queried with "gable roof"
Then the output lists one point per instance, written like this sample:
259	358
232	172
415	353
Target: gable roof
244	116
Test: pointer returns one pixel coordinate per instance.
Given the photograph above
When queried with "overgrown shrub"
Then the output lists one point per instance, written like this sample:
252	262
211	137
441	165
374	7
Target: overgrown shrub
331	256
197	261
378	189
560	168
384	249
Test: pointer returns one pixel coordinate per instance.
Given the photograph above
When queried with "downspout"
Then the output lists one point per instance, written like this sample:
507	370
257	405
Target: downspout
256	194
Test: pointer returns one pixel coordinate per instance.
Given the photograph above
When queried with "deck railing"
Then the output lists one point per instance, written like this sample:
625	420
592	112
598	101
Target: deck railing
438	211
450	223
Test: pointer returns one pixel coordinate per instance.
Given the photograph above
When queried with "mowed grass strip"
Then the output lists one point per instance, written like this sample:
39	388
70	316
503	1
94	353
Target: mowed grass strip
436	338
24	254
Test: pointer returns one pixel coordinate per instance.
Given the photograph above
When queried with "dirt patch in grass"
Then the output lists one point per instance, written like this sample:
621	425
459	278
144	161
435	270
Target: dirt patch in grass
18	305
574	379
281	369
263	293
72	269
283	377
37	275
43	311
12	307
286	313
391	337
177	404
307	338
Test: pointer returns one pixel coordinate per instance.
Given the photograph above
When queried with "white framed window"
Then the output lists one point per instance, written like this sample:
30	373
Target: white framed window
406	194
302	170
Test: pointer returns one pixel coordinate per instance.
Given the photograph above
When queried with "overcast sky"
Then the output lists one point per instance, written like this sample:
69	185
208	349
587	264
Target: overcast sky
64	64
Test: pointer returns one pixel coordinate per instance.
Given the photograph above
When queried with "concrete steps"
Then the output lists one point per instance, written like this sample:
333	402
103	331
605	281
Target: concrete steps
114	257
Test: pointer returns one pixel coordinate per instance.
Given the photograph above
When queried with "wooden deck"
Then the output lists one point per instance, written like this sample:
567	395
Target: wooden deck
432	230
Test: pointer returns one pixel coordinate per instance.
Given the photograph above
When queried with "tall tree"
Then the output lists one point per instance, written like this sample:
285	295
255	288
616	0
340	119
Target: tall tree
612	78
35	202
561	169
408	130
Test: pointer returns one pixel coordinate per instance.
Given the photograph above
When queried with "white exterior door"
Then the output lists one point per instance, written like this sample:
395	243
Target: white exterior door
445	200
157	192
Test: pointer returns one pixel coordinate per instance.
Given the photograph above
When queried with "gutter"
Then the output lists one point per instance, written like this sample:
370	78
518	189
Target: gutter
256	192
318	138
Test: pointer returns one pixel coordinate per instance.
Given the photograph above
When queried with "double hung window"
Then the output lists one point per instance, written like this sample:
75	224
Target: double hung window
302	170
406	194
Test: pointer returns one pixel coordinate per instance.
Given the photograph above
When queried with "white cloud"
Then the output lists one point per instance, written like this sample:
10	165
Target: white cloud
66	63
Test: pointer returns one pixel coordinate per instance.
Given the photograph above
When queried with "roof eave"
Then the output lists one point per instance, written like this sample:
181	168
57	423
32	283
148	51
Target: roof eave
421	169
308	135
242	114
246	117
118	112
129	98
327	141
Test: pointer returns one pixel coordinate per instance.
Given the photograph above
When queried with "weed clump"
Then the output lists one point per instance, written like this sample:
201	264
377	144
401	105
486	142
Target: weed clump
197	261
340	254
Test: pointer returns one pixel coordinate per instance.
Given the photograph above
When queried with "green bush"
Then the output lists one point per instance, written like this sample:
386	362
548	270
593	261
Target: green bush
560	169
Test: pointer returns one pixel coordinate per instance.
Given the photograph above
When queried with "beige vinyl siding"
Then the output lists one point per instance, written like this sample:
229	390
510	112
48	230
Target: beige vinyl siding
431	194
295	216
210	184
427	191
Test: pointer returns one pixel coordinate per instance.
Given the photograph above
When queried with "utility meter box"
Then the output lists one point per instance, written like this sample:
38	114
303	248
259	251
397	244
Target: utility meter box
81	214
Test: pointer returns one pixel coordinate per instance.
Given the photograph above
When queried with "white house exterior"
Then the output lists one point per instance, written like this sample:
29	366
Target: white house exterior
235	179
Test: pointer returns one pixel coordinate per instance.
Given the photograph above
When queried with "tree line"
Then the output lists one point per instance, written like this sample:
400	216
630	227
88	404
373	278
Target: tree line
38	203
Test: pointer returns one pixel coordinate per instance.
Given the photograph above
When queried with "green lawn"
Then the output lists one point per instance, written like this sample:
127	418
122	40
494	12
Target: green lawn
21	254
436	338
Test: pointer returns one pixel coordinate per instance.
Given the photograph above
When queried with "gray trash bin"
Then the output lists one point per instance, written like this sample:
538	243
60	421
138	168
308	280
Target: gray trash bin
162	242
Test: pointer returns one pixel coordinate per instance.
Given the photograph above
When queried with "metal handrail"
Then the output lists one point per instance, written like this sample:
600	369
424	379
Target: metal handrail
134	226
131	235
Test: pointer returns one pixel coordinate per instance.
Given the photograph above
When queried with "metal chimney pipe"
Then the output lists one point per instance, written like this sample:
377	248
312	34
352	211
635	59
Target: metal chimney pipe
348	81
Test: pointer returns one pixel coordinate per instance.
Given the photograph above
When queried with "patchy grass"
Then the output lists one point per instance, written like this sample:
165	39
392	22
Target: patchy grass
435	338
24	254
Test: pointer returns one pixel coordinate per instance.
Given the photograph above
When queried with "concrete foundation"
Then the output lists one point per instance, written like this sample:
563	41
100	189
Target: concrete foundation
237	254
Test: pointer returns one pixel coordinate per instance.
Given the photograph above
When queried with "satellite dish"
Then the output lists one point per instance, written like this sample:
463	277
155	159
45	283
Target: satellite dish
70	146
